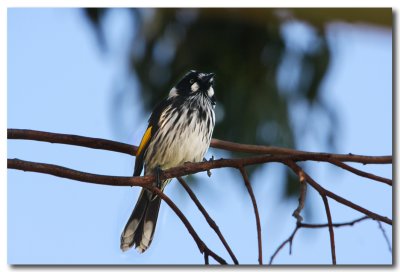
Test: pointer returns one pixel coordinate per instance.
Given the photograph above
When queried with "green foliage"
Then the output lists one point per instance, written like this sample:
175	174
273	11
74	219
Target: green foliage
245	48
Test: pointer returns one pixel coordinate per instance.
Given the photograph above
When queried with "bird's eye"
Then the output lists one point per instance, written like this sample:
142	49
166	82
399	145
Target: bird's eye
191	81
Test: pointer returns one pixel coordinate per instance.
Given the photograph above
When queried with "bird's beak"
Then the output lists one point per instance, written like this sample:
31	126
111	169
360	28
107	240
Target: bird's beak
209	78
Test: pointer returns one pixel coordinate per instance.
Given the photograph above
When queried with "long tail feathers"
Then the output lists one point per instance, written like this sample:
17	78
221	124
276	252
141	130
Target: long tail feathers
139	229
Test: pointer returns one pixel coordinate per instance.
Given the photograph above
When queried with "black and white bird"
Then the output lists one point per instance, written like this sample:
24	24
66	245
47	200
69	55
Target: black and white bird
180	130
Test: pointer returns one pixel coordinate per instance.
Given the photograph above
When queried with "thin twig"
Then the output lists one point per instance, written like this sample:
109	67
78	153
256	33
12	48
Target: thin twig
312	226
385	236
186	169
297	169
253	200
26	134
330	227
200	244
208	218
360	173
288	240
335	225
302	199
323	192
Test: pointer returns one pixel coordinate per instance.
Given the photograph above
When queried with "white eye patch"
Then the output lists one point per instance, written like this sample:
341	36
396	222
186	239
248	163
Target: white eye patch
195	87
173	92
210	92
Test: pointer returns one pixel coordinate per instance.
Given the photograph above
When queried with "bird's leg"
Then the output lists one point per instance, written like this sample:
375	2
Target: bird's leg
157	173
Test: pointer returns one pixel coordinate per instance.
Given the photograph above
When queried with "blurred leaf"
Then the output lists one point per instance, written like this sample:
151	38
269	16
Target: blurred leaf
319	17
245	48
95	16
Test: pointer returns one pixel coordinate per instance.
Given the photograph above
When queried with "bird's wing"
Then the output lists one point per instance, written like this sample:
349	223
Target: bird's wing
144	143
148	135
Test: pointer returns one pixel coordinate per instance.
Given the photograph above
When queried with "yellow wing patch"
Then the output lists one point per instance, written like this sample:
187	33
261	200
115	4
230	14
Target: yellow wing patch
145	140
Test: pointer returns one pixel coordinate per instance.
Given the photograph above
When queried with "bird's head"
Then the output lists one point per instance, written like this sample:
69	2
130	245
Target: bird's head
194	83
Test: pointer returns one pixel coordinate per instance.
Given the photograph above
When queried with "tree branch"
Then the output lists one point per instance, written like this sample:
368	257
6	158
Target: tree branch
64	172
26	134
69	139
253	200
360	173
330	227
273	150
304	176
200	244
286	156
298	171
186	169
208	218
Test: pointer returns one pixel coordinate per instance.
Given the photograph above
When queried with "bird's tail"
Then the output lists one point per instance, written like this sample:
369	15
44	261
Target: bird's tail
139	229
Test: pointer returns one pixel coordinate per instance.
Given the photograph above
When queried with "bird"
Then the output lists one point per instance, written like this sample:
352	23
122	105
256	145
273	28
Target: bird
179	130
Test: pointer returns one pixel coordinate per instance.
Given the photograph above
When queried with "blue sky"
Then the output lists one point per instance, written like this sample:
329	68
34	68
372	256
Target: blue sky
60	81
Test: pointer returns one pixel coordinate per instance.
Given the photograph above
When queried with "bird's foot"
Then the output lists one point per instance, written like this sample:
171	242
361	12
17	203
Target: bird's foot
210	160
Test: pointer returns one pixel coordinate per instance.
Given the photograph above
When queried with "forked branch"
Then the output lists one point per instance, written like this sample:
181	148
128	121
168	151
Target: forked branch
300	225
266	154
